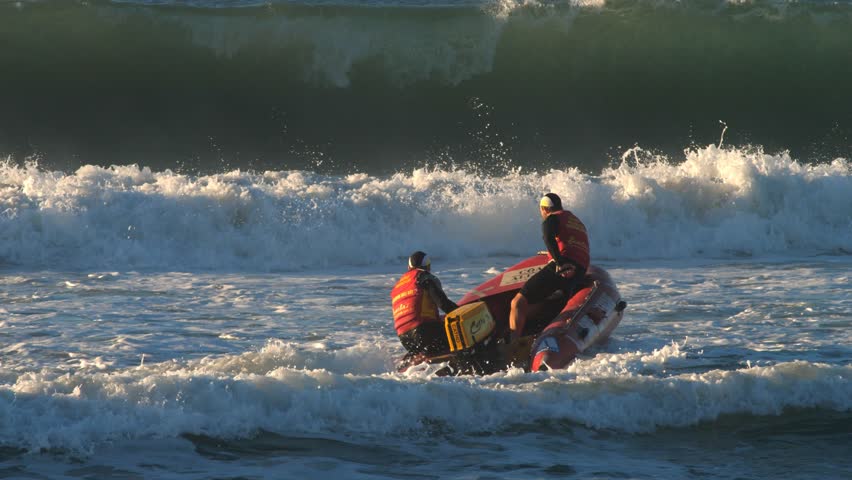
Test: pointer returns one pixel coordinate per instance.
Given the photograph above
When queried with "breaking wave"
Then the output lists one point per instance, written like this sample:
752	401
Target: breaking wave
717	202
291	390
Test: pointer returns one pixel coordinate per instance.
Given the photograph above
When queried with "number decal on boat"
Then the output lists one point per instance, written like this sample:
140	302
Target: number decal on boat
520	275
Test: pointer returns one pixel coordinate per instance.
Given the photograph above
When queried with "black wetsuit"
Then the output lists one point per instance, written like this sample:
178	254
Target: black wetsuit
430	337
547	280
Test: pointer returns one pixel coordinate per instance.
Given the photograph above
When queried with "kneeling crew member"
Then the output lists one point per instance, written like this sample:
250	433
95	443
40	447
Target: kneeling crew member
415	299
568	247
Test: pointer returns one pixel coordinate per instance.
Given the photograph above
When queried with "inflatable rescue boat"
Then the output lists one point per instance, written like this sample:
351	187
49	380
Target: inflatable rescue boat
556	330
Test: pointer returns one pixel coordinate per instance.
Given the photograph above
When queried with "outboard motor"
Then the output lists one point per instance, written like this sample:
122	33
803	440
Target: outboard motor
471	335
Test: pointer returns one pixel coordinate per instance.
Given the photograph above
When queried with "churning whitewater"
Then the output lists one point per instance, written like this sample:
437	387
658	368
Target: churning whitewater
718	202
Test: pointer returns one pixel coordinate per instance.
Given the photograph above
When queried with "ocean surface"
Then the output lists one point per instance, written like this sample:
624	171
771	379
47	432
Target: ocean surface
345	86
204	206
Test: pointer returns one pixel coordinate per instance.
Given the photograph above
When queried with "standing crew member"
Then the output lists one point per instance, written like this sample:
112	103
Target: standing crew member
415	300
568	247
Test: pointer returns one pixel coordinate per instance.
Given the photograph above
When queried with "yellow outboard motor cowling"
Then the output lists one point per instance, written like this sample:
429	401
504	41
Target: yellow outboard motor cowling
469	326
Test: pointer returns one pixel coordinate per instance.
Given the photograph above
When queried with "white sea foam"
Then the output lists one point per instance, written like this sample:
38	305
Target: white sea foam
718	202
294	393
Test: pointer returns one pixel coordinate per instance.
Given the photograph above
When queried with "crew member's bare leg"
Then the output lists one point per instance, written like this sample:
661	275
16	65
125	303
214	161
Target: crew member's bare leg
517	316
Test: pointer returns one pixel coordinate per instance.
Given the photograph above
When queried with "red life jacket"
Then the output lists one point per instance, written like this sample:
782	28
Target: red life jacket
412	307
572	239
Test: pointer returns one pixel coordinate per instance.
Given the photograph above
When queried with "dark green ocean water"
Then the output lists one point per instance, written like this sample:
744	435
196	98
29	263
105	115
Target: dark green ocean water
348	86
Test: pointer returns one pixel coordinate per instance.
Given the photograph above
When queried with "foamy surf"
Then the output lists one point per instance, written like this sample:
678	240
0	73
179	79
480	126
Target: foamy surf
717	202
284	390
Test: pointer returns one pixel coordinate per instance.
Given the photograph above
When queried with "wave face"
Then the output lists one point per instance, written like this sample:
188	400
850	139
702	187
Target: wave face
212	86
718	202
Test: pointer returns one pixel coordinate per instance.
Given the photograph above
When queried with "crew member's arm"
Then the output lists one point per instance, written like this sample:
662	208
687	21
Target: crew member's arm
549	230
434	290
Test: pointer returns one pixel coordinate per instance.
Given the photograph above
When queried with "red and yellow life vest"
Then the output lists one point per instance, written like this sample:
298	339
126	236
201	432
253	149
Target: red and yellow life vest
412	307
572	239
